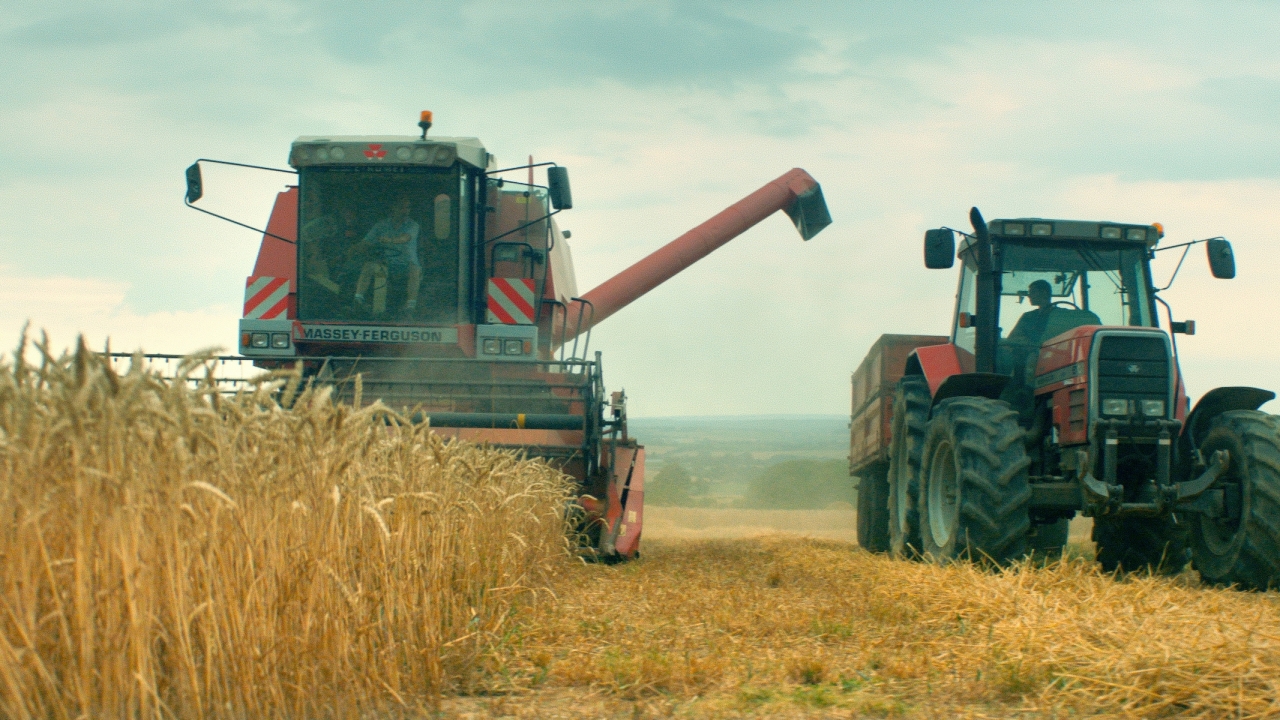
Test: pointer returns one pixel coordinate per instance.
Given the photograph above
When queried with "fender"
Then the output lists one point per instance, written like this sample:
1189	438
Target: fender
987	385
937	363
1214	403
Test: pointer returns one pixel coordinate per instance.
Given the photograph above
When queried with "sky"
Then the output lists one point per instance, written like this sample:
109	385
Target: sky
908	114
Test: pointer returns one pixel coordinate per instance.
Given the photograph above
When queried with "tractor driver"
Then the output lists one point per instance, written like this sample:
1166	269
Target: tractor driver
395	241
1032	324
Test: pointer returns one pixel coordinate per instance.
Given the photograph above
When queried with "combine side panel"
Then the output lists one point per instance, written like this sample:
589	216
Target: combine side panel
624	512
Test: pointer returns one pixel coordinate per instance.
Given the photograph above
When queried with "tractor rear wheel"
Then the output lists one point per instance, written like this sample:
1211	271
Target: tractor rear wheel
873	509
1141	544
911	401
974	490
1244	551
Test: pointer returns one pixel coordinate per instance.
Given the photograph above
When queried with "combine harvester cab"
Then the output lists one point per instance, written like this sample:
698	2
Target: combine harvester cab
1057	392
448	288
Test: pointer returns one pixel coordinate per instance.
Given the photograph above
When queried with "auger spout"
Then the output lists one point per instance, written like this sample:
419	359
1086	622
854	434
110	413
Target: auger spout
795	192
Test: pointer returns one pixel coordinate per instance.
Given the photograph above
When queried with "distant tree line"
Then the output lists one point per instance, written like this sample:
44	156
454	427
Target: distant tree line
786	485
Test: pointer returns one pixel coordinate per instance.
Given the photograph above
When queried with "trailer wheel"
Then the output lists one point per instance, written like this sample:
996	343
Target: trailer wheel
1138	544
1244	551
873	510
911	401
1047	541
975	493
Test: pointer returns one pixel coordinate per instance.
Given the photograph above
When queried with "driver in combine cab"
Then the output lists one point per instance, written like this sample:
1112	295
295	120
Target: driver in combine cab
395	240
1033	322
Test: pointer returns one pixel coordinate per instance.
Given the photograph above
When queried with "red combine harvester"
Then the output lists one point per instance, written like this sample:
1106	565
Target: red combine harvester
1058	392
448	287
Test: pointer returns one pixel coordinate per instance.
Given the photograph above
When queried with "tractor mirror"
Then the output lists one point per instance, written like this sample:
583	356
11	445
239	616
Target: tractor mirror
195	186
1222	261
939	249
1184	327
558	188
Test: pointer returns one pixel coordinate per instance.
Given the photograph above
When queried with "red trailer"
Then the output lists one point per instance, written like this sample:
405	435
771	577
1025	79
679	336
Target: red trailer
870	428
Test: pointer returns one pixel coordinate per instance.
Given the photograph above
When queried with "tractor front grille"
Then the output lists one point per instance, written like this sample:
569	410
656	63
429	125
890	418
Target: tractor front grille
1133	367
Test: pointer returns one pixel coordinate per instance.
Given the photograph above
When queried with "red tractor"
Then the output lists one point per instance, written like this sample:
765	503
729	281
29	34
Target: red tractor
445	285
1058	392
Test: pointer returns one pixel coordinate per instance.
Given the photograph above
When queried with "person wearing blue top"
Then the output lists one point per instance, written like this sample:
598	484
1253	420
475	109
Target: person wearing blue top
395	243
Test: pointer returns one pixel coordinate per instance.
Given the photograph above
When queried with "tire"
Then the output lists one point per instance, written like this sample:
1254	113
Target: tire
1047	541
1138	544
911	400
974	489
873	510
1245	552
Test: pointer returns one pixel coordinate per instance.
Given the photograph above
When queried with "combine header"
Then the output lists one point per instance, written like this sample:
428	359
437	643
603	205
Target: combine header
448	287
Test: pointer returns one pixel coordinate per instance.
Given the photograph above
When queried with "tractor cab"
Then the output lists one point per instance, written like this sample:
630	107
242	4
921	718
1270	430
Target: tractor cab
1054	276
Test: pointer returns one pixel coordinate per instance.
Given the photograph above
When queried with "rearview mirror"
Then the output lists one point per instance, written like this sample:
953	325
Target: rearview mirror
1222	261
939	249
195	186
558	188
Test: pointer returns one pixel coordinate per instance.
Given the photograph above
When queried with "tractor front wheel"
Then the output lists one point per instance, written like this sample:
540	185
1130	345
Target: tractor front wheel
910	414
1244	550
974	490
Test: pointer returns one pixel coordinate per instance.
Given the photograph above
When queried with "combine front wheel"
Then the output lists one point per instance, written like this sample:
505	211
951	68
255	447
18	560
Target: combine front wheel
910	413
974	493
1244	551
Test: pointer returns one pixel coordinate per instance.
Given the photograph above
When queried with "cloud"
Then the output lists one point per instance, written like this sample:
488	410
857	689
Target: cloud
66	307
665	112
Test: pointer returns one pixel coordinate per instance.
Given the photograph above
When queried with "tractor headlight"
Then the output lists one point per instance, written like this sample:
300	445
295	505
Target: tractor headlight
280	341
1115	406
492	346
1042	229
1110	233
260	340
513	347
1153	408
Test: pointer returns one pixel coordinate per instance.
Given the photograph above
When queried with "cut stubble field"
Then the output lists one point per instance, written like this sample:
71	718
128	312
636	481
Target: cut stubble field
775	624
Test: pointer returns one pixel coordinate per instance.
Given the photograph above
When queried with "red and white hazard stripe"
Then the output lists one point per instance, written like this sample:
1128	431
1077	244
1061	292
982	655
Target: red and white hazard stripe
265	297
511	301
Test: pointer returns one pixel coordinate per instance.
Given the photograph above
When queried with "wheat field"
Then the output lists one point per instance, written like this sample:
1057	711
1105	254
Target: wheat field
168	552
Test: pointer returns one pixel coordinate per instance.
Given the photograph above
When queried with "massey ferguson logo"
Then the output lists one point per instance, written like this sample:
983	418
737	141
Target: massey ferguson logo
375	152
1134	368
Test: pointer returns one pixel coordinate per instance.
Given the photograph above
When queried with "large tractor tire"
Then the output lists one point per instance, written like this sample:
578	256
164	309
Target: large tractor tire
873	510
974	490
1244	551
1047	541
1141	544
911	401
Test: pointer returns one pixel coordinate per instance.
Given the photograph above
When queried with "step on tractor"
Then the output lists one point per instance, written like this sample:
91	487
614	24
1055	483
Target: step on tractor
1059	392
446	286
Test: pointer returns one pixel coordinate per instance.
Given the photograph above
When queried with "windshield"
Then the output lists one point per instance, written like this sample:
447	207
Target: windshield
1048	290
380	244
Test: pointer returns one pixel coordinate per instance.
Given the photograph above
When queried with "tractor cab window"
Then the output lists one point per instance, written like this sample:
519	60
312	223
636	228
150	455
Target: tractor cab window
1048	290
379	244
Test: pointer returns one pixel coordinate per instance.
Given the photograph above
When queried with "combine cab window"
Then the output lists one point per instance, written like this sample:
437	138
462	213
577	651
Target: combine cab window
379	244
